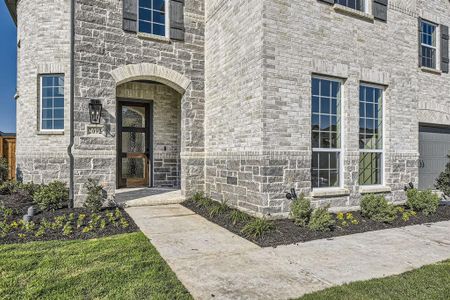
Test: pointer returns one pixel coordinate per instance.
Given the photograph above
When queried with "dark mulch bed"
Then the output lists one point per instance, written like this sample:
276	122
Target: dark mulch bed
287	232
111	228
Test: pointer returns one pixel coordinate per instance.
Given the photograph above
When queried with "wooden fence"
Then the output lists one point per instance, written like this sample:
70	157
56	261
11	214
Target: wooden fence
8	151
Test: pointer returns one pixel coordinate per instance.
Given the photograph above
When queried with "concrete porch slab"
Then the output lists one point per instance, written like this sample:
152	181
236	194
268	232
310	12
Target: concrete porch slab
148	197
213	263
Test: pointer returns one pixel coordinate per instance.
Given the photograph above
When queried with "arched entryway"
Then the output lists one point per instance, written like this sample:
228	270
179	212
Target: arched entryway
155	126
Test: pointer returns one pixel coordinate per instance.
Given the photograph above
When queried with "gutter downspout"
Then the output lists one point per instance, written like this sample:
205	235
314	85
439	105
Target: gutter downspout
71	104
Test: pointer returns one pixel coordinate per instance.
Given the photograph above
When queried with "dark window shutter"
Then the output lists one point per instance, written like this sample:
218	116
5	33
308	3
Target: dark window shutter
177	20
444	49
130	15
420	42
380	9
328	1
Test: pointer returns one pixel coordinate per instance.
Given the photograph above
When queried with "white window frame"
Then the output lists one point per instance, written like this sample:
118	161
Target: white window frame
340	150
167	23
41	119
366	7
436	47
383	150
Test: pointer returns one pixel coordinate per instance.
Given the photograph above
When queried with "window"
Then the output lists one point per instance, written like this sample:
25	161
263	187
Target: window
428	44
371	135
326	132
355	4
152	17
52	102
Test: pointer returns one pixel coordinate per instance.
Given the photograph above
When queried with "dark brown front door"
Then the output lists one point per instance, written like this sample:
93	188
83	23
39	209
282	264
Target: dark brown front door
134	144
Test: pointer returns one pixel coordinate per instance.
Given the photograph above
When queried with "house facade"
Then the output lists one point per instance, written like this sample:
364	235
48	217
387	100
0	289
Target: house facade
242	100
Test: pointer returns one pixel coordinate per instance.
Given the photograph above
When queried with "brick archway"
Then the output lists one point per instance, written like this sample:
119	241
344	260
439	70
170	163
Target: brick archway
147	71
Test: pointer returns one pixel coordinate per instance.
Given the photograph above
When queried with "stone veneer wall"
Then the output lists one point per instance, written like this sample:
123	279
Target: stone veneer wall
102	47
261	145
234	95
43	47
368	51
166	129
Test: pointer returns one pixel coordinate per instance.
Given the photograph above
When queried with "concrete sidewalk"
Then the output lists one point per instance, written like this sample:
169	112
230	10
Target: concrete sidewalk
214	263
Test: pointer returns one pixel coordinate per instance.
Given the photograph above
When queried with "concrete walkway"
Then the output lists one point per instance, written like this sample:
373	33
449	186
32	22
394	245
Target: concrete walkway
213	263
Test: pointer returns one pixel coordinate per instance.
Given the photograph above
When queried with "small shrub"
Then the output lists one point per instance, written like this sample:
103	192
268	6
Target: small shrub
218	209
40	232
301	211
102	224
80	221
124	223
52	196
377	208
321	220
18	201
238	216
407	215
94	201
443	181
3	169
423	201
346	219
9	187
67	229
257	228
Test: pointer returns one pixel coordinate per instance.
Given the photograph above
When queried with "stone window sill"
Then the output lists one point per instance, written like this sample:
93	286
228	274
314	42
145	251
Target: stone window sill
374	189
153	37
431	70
331	192
50	132
353	12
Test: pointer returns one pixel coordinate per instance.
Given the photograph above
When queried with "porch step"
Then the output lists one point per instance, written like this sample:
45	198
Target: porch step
148	197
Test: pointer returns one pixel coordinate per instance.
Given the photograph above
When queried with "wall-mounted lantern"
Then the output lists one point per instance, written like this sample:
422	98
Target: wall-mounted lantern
95	111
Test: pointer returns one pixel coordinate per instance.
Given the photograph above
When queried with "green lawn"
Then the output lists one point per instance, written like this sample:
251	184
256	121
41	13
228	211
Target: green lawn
428	283
120	267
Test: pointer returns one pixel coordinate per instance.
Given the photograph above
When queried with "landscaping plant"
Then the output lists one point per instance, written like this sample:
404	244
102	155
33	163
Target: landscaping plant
257	228
52	196
377	208
95	199
443	181
301	211
3	169
321	220
218	208
426	202
238	216
347	219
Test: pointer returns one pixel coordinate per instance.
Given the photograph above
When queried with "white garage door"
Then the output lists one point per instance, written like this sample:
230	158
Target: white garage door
434	148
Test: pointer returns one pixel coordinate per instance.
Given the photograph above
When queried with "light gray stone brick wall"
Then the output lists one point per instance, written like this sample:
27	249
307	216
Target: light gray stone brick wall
301	38
43	48
102	47
244	81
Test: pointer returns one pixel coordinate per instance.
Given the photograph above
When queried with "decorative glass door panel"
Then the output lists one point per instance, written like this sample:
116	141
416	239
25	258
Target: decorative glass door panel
134	144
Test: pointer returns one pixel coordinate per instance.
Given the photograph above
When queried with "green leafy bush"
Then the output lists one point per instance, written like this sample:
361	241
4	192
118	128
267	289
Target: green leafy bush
3	169
377	208
9	187
423	201
301	211
257	228
94	200
52	196
321	220
443	181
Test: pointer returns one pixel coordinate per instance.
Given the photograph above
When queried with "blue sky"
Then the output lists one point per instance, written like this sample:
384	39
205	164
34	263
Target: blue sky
7	71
